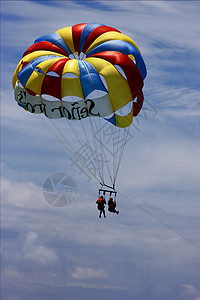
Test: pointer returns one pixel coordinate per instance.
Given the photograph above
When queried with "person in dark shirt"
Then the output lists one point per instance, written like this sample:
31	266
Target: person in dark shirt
112	206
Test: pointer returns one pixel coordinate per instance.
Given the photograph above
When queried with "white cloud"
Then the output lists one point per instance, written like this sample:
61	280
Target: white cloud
176	101
10	271
190	292
87	273
35	251
100	286
21	194
167	164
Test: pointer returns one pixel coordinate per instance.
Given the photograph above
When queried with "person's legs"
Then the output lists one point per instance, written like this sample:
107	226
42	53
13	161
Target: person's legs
100	213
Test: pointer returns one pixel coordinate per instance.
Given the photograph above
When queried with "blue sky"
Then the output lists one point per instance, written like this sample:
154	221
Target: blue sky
151	250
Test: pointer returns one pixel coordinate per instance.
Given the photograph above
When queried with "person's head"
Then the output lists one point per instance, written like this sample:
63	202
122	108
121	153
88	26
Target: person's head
111	199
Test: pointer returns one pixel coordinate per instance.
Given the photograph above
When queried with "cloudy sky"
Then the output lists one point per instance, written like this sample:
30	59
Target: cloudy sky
151	250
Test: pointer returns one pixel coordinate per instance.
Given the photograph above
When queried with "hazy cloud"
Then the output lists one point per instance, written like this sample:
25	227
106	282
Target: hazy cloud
34	250
21	194
87	273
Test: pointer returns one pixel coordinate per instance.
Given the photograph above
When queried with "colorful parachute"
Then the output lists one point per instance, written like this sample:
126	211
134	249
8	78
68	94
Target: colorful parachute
76	61
82	71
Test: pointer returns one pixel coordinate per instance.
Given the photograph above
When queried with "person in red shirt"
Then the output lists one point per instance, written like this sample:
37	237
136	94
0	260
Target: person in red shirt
101	206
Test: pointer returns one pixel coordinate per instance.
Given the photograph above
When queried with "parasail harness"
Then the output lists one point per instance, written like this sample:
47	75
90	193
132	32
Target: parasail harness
108	190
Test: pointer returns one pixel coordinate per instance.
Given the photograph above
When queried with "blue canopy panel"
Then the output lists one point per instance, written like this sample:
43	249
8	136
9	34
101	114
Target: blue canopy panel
86	32
122	47
26	72
55	39
112	120
90	79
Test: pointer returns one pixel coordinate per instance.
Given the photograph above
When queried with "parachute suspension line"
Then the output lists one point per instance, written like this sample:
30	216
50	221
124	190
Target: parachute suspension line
66	143
96	149
104	159
116	139
119	150
94	161
103	156
77	154
120	137
125	138
117	135
100	148
82	144
53	133
115	148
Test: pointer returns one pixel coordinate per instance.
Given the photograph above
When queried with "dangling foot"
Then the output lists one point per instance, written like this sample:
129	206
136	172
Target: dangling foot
117	212
99	216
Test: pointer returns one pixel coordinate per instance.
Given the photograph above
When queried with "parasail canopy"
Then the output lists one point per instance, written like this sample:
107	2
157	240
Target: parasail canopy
86	70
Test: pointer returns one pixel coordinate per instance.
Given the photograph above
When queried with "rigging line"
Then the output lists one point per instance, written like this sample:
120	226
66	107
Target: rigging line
79	140
92	152
120	137
103	158
94	149
161	221
117	133
66	144
95	142
75	152
125	138
122	151
116	144
101	148
104	155
54	133
114	154
124	130
82	143
118	149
